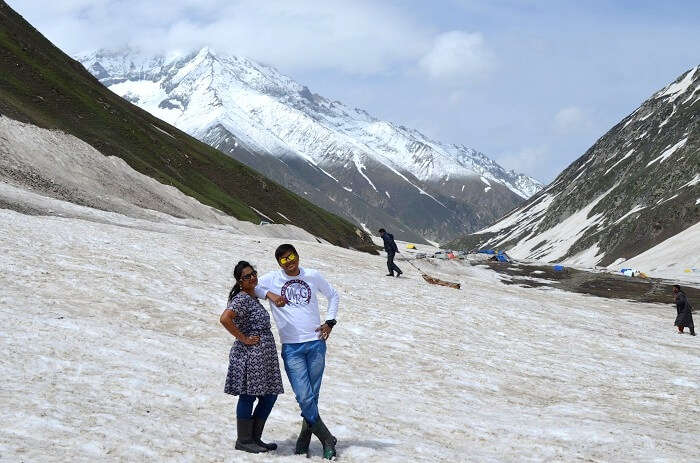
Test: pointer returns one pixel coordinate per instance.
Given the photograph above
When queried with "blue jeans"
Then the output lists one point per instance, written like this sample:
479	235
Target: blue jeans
244	409
304	363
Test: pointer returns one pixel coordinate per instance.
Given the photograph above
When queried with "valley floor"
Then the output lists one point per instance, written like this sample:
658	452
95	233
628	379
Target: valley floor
603	283
113	352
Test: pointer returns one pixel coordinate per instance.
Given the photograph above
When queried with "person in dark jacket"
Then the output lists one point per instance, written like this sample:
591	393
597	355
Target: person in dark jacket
391	250
683	308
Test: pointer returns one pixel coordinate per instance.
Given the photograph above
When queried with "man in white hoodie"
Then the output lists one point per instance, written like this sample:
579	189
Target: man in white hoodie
292	291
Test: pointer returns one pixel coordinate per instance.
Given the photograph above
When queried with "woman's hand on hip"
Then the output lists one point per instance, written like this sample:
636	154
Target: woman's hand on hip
250	340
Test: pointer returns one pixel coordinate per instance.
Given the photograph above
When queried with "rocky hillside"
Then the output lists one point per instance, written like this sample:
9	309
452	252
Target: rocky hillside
41	85
373	172
637	186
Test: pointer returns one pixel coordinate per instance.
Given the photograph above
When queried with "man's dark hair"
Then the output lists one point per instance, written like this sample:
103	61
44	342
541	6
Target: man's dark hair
381	230
677	287
283	248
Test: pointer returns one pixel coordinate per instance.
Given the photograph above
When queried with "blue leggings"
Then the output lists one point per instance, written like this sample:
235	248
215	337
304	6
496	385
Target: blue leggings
244	409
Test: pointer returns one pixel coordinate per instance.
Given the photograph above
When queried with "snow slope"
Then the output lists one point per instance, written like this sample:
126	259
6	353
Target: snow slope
47	172
114	352
670	258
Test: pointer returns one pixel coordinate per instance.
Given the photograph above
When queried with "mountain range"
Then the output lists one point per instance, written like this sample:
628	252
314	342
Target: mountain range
373	172
42	86
633	192
636	187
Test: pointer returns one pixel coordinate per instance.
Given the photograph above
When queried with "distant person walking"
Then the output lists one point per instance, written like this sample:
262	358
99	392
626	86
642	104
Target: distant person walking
391	250
293	291
683	308
254	371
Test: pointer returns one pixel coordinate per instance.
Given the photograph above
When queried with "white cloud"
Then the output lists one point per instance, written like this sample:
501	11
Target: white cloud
458	56
535	161
360	37
572	119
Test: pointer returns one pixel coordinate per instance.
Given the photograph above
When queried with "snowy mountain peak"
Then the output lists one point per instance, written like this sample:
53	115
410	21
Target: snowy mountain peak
250	90
675	89
234	103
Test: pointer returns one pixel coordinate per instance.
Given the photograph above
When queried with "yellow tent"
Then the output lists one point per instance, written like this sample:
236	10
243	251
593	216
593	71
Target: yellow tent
410	246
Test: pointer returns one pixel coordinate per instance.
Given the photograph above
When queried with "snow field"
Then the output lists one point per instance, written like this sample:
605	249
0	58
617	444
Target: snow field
115	353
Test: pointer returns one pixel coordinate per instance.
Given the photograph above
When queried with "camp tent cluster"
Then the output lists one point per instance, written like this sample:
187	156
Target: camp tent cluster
629	272
499	256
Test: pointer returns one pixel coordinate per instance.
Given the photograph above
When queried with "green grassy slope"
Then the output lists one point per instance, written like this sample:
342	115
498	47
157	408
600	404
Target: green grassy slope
42	85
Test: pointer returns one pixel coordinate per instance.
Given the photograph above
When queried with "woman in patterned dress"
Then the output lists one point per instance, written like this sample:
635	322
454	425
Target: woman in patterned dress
254	371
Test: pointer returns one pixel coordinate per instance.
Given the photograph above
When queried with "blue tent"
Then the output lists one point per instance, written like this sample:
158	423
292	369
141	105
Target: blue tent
558	268
487	251
502	257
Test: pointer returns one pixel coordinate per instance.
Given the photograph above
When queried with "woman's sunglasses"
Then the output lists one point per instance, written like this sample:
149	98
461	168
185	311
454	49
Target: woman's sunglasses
290	258
249	276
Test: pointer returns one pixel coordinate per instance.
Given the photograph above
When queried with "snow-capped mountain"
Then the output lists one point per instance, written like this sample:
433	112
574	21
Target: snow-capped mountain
343	159
636	187
43	87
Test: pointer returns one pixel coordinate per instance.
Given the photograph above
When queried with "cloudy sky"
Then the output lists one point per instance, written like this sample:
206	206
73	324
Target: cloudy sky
531	84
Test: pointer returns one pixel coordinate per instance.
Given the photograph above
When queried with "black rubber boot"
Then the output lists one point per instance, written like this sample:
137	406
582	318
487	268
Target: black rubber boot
258	426
304	439
245	442
324	435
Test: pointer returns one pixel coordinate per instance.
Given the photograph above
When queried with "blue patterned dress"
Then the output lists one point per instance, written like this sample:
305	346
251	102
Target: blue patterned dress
252	370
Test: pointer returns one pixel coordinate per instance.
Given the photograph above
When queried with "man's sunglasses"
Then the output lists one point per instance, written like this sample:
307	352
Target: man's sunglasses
290	258
249	276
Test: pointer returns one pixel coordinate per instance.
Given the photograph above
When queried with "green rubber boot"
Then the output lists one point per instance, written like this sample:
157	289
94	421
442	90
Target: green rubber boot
304	439
327	439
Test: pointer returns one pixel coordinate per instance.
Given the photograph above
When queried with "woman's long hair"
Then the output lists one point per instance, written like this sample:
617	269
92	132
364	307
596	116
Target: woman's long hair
237	272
